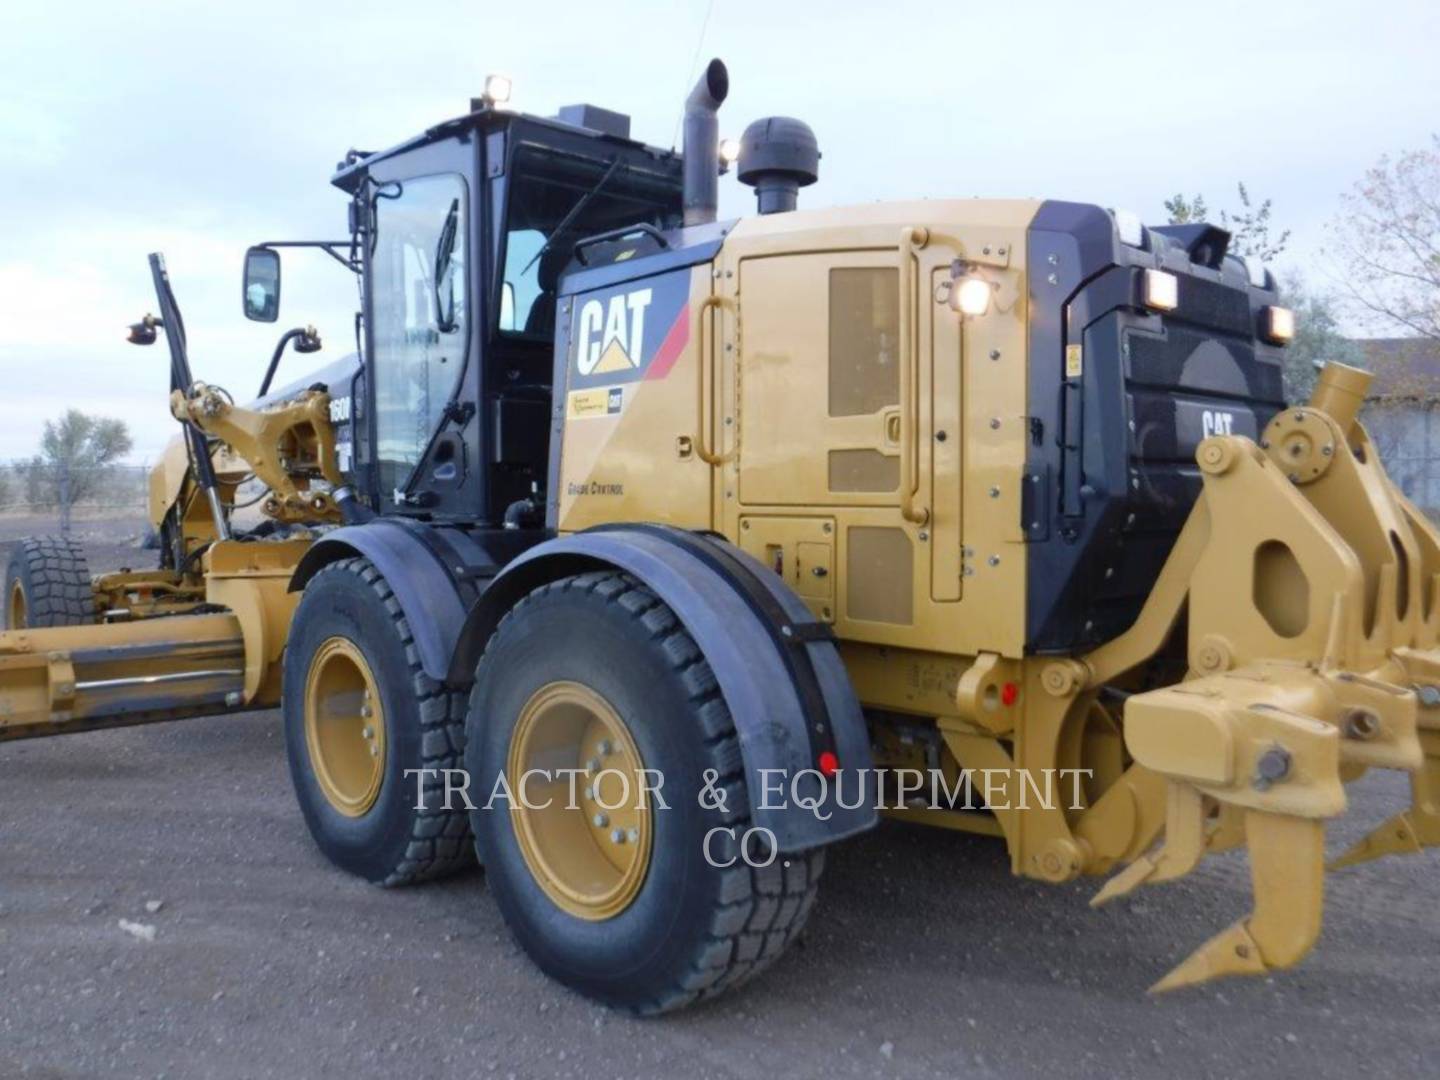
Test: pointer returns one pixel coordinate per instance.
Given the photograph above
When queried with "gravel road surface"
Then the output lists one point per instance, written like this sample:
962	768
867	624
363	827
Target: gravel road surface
924	957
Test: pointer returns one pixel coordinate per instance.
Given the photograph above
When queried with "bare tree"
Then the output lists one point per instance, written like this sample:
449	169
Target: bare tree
1387	238
1249	227
1185	211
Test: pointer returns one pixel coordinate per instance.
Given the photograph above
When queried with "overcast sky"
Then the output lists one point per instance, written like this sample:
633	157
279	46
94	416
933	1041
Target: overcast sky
198	129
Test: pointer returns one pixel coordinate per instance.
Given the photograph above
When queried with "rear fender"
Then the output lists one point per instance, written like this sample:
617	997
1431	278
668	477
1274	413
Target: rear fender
435	574
776	665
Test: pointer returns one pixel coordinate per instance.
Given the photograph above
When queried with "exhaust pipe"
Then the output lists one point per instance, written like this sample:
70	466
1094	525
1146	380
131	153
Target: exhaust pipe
702	144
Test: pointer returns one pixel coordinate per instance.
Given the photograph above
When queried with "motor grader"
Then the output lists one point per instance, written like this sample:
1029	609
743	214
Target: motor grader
613	490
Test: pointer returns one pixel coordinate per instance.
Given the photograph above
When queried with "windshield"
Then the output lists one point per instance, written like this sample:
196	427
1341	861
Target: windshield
420	315
556	199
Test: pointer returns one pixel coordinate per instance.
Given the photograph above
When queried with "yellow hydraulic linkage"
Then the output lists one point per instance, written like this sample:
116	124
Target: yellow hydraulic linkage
1313	596
151	658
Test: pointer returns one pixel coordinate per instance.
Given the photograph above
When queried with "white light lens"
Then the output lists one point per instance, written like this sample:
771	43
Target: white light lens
1128	225
497	89
1256	271
1162	290
972	296
1279	325
729	151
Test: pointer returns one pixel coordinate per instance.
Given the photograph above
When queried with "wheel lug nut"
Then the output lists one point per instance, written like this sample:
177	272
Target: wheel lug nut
634	835
605	748
593	765
590	793
374	750
617	836
365	712
600	821
369	733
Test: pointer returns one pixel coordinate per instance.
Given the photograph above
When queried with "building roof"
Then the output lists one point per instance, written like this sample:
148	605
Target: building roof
1405	368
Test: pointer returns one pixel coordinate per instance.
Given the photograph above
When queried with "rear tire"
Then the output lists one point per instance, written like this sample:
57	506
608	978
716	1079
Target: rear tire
47	583
691	929
359	712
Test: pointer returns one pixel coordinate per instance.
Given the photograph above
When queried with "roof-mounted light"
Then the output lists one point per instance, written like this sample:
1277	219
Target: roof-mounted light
1160	290
497	90
1130	228
729	154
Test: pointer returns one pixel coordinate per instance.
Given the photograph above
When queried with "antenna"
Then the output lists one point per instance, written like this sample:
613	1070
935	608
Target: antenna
690	74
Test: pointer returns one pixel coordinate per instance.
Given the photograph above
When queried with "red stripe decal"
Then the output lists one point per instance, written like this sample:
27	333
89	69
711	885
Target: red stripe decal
676	338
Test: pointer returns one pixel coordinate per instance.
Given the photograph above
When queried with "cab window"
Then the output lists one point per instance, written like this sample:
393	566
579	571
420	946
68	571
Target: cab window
420	317
556	199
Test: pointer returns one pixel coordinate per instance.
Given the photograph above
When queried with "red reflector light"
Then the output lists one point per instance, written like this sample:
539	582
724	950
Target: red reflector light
828	763
1008	693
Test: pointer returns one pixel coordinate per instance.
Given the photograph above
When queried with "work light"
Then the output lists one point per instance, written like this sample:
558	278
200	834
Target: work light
143	332
497	89
1161	290
1255	270
1278	325
729	154
1128	225
972	296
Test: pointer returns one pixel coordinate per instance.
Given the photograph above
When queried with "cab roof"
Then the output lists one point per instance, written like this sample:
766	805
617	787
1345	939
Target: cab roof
590	121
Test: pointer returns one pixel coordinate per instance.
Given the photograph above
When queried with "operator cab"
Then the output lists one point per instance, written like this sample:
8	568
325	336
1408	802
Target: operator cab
460	236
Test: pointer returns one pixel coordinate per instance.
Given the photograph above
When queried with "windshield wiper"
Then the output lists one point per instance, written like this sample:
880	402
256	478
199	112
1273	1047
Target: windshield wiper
444	254
573	214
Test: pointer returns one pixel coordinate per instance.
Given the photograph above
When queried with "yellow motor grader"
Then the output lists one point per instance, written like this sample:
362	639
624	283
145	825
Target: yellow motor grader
646	555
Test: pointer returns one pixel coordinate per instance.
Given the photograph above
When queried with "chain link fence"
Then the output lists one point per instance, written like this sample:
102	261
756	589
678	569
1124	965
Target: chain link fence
65	495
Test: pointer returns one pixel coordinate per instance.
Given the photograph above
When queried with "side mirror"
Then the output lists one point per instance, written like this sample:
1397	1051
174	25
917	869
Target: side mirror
261	295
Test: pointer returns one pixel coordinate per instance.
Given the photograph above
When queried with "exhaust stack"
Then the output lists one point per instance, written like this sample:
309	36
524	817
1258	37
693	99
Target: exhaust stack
702	144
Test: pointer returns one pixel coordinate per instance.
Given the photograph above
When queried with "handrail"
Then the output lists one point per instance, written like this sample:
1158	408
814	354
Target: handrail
911	238
702	447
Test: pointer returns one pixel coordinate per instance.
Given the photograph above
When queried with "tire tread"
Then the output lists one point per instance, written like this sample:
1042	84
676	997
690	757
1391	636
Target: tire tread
56	578
761	910
440	841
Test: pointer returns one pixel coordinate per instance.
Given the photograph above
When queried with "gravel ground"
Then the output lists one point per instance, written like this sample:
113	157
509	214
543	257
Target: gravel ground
924	957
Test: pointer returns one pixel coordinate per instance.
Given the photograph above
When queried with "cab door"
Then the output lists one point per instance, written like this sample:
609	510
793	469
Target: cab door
420	325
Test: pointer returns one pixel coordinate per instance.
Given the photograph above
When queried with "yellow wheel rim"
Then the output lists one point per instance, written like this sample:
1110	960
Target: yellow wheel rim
345	727
589	855
17	612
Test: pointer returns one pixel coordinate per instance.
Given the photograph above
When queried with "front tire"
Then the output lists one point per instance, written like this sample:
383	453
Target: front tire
47	583
359	713
567	664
